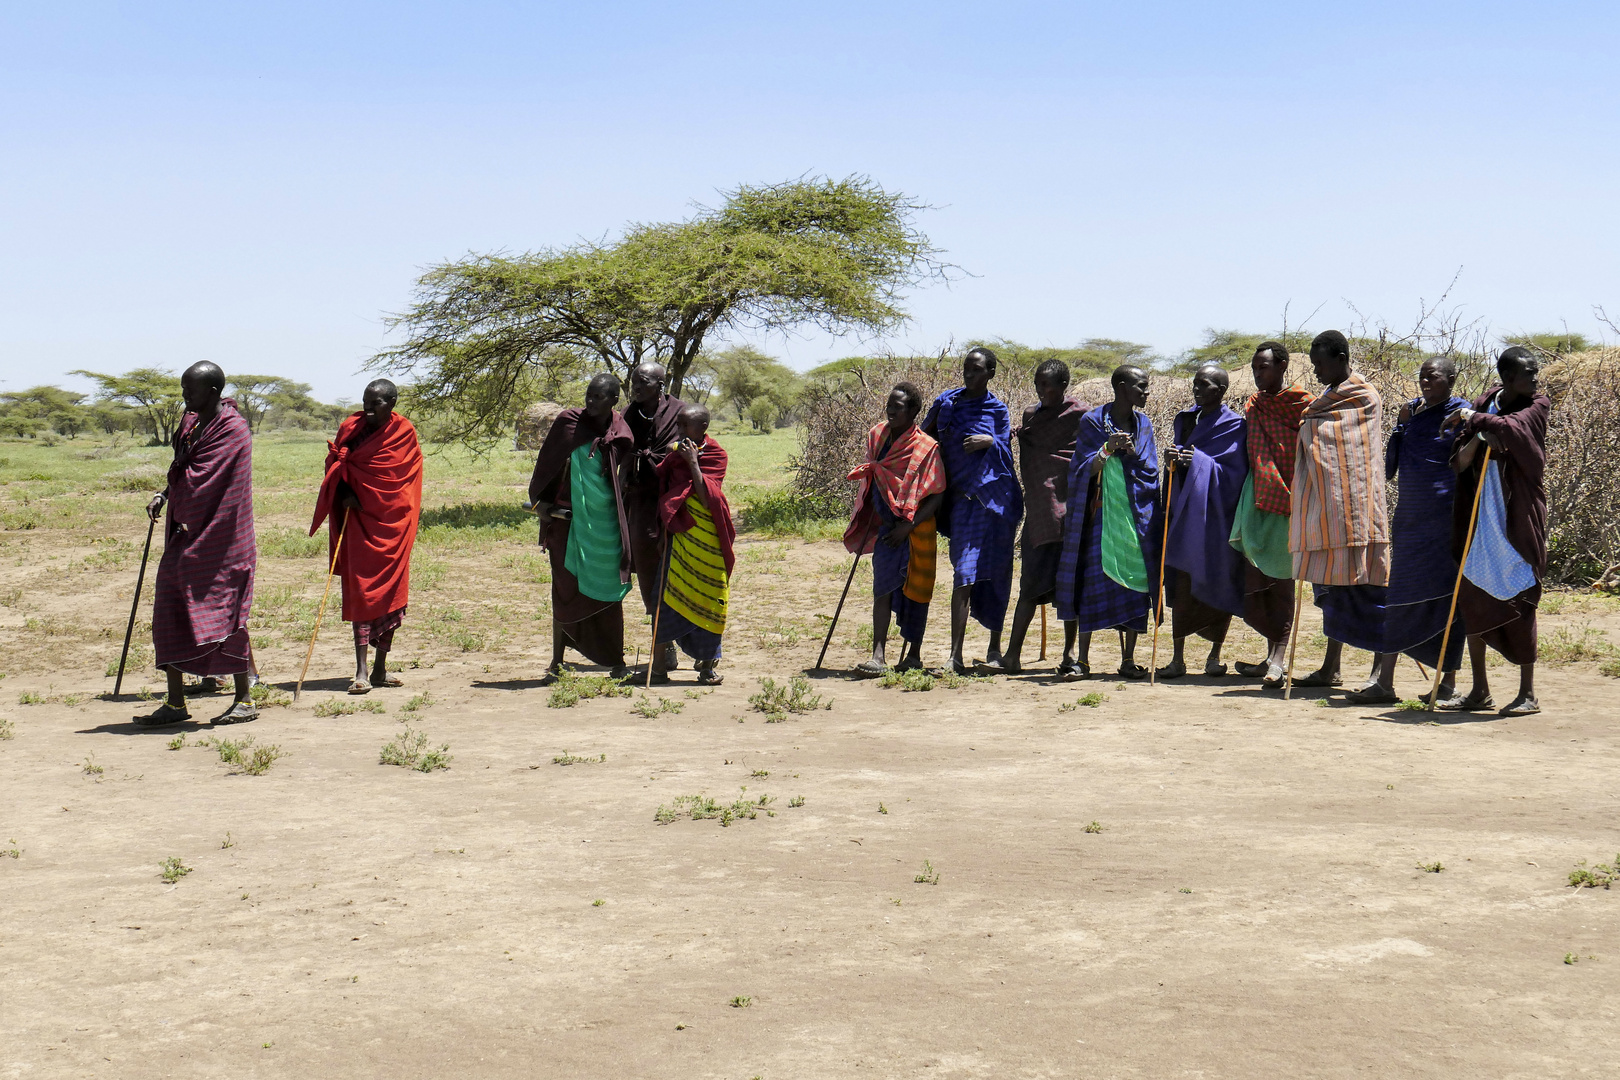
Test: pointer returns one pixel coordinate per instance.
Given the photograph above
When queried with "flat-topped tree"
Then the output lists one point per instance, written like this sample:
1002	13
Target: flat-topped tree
834	254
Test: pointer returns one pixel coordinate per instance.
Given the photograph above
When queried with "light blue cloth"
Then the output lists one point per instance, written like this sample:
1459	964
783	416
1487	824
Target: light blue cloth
1494	564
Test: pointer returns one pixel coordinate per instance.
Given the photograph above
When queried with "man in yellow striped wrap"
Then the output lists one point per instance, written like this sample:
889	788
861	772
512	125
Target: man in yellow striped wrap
698	565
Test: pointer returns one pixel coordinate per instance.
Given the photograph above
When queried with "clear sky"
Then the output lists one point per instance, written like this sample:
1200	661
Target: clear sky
259	184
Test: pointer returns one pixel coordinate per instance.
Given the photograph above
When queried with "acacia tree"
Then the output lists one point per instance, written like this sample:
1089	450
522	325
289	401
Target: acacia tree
838	255
150	391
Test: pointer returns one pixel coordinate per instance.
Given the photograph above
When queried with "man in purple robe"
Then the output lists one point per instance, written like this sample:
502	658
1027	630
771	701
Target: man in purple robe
652	417
1110	562
983	503
204	586
1204	573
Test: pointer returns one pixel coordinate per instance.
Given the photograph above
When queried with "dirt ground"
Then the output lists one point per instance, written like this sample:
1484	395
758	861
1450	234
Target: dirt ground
1251	903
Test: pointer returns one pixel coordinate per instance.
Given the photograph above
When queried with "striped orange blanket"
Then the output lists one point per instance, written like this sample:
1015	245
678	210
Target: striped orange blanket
1338	531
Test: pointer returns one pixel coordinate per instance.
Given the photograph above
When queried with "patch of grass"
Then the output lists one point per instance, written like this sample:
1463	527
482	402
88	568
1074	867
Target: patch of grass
266	696
1089	701
655	706
12	852
782	511
571	688
776	700
1431	868
172	869
1094	827
565	758
91	768
1564	646
740	1002
1599	876
258	762
927	875
1610	667
417	703
227	842
8	730
340	707
796	802
409	750
1571	958
597	903
913	681
701	807
140	658
291	544
760	774
1412	705
782	634
882	809
30	697
177	742
242	755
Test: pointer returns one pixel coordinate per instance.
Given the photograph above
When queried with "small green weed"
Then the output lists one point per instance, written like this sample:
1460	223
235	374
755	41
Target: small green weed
776	700
259	761
571	688
1611	668
656	705
409	750
694	695
12	852
740	1002
1565	646
1088	701
417	703
1599	876
916	680
882	809
796	802
1431	868
565	758
1094	827
266	696
760	774
91	768
339	707
950	680
173	870
1571	958
177	742
1412	705
227	842
928	875
8	730
597	903
243	756
30	697
700	807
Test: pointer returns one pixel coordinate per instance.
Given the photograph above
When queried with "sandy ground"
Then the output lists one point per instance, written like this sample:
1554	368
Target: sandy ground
1252	905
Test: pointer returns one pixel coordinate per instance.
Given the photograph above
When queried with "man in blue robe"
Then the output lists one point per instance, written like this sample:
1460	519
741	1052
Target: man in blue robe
983	503
1422	568
1110	555
1204	573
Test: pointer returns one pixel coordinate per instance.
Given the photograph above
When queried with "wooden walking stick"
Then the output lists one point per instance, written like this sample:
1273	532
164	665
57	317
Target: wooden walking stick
135	605
839	610
1293	639
1153	666
321	614
658	605
1456	590
1043	633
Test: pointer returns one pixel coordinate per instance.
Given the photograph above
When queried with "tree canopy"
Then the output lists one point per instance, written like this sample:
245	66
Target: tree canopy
838	255
153	392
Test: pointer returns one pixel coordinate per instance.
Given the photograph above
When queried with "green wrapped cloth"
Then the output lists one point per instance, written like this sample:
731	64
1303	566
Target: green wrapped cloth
595	548
1121	547
1261	536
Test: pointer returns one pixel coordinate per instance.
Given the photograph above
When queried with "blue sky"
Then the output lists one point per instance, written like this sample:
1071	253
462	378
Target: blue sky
259	184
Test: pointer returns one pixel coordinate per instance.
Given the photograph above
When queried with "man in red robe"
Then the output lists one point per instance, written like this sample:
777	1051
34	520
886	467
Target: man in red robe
697	573
204	587
373	494
652	417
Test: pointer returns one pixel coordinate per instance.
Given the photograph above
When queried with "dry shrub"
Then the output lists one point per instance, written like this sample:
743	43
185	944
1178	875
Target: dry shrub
1583	444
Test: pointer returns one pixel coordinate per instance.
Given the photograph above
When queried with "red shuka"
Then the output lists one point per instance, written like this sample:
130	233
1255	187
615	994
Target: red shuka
675	478
385	473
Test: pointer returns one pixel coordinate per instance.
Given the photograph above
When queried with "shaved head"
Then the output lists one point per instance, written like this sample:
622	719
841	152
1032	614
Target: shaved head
695	414
385	389
205	373
1216	374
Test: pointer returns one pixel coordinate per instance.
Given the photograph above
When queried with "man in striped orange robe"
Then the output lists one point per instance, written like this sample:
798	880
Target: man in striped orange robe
692	509
1338	531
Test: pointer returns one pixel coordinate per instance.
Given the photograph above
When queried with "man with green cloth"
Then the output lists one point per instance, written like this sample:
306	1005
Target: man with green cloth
1260	528
1107	573
577	489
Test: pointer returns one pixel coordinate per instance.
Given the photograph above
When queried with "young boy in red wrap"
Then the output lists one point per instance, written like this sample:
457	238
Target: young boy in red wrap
693	510
373	493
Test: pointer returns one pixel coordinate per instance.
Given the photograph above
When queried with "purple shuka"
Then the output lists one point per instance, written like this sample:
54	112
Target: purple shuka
204	586
1204	504
1085	594
1422	569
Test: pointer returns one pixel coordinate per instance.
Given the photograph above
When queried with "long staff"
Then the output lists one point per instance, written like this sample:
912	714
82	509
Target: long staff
135	604
1169	486
658	605
321	614
1043	633
1456	590
839	610
1293	639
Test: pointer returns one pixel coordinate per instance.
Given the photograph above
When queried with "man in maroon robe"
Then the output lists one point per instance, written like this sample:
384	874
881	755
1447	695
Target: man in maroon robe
1500	589
373	492
652	417
204	586
1045	449
592	625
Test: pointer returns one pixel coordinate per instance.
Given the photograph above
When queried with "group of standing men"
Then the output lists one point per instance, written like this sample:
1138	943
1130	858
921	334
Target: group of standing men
1244	509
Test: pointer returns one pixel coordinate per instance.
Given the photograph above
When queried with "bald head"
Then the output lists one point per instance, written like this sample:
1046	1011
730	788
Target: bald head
647	383
384	389
693	422
205	373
